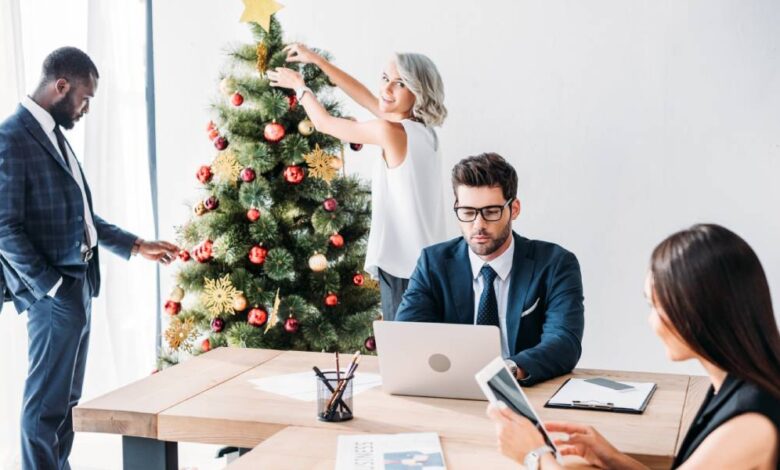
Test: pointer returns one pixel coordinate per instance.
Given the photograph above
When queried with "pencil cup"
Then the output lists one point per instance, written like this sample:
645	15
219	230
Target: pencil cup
334	397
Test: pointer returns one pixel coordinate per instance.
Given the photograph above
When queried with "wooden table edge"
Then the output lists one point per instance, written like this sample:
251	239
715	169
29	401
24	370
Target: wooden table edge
108	425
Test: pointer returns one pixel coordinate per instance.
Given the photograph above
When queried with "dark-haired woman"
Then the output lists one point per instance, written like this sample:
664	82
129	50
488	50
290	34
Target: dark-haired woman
709	300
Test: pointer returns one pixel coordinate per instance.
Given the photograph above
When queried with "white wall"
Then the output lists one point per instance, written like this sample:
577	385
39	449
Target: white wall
626	121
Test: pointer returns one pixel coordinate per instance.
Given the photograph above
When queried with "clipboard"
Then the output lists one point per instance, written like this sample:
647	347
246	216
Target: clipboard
597	398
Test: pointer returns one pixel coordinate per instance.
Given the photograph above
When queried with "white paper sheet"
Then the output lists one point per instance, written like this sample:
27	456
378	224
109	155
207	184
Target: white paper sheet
303	385
588	394
418	451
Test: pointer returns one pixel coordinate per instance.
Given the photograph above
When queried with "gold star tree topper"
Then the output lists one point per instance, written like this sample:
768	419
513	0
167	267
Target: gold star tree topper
321	164
260	12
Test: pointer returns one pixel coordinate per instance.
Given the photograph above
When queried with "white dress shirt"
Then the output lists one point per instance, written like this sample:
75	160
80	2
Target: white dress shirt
503	267
48	124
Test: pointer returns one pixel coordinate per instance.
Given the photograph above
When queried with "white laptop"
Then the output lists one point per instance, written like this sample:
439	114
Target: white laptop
434	359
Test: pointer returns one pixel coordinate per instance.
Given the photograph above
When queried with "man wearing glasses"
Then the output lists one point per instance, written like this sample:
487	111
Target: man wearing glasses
534	288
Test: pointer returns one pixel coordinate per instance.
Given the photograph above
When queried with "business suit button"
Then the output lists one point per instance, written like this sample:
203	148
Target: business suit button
77	244
80	218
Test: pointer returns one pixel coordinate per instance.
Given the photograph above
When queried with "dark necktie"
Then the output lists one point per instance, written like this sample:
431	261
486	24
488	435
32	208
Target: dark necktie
86	247
487	312
62	145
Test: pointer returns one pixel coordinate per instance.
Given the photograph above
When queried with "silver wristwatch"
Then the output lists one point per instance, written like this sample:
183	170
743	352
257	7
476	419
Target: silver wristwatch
512	367
531	461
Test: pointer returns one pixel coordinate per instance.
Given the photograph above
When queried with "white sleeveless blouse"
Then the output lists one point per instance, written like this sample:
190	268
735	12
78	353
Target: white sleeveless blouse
407	202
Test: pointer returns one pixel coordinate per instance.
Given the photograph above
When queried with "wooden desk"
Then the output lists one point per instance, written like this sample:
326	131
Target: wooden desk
210	399
297	448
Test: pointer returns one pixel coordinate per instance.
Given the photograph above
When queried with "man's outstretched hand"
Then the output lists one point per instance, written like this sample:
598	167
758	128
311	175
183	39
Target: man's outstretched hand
162	251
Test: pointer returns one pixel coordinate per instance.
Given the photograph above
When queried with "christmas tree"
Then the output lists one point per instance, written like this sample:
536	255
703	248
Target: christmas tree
273	254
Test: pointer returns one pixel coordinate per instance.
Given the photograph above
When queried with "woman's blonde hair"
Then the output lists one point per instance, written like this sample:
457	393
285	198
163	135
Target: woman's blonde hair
420	75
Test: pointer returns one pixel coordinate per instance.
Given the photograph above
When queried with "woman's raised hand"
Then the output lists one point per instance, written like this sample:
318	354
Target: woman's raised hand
297	52
285	78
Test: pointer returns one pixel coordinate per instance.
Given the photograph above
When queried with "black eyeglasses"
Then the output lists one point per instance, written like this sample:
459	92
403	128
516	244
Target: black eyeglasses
489	213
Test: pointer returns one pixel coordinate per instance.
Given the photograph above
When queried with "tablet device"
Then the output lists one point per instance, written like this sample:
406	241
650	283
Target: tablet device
498	384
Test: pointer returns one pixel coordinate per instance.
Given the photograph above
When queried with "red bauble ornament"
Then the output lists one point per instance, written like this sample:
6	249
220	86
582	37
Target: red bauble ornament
221	143
203	252
293	174
204	174
217	325
237	99
358	279
330	204
331	300
211	126
293	100
356	147
257	317
370	343
172	308
205	345
184	255
337	240
211	203
257	254
253	214
291	325
273	132
248	175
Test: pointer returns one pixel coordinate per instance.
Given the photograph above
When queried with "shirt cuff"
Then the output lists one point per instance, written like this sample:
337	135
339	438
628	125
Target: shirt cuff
54	289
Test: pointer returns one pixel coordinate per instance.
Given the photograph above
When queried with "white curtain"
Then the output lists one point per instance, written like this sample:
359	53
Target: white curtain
112	146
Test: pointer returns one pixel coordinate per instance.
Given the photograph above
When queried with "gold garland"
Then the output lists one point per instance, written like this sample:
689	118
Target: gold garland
262	58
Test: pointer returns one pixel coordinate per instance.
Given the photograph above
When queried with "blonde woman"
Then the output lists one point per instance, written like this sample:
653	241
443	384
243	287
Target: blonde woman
407	193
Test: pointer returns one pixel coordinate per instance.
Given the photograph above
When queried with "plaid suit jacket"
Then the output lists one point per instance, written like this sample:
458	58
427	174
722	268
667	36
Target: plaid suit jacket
42	216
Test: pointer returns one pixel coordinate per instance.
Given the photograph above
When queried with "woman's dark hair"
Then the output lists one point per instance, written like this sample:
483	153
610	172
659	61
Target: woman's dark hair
711	286
486	169
70	63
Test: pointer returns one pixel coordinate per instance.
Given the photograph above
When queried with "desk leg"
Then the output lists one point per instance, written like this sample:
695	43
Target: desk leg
140	453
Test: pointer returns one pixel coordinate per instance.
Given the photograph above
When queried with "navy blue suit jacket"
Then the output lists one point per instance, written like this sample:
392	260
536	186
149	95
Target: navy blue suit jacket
42	216
546	341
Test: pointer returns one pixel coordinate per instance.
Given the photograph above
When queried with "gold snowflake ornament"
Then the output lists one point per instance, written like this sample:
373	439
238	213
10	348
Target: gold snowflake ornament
226	167
218	296
321	164
180	334
273	319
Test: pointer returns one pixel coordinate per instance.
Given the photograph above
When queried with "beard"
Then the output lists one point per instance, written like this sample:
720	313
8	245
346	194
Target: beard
494	244
63	111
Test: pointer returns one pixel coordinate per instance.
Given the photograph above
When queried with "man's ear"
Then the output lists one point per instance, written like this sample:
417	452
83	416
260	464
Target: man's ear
516	206
61	86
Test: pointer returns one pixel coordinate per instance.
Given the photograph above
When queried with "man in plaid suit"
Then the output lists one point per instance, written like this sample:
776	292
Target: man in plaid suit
49	244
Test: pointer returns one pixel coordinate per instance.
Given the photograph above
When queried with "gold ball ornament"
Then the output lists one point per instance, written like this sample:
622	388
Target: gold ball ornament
227	86
240	303
199	209
306	127
177	294
318	263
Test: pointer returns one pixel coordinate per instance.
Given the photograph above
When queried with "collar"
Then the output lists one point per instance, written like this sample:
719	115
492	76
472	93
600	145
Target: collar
730	384
501	265
41	115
